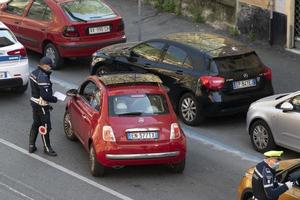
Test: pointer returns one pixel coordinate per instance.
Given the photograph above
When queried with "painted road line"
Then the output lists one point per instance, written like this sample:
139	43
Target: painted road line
65	170
191	134
16	191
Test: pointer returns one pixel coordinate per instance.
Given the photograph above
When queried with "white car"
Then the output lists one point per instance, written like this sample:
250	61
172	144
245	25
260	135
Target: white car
275	120
14	68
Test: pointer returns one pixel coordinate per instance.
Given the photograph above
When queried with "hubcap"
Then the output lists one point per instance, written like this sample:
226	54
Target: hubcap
260	137
68	125
50	52
188	109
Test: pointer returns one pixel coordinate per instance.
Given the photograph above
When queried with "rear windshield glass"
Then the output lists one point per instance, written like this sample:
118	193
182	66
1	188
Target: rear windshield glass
6	38
87	10
238	63
137	105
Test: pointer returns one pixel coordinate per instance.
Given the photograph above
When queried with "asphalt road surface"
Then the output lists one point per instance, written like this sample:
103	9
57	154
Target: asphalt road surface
218	154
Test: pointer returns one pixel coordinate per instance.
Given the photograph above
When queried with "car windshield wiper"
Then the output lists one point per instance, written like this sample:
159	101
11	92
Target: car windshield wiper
131	113
71	14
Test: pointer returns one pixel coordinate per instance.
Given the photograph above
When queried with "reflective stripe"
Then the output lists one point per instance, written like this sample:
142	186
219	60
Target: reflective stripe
33	79
268	185
40	101
258	173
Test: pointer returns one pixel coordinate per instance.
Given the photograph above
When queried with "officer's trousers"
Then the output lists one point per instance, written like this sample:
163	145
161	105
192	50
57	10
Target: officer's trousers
41	117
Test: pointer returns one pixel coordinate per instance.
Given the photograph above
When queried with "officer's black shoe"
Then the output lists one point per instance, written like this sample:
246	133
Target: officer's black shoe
32	148
50	152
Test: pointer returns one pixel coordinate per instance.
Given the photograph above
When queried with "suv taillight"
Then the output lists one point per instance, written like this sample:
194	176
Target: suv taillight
108	134
120	26
267	73
212	82
175	131
70	31
18	52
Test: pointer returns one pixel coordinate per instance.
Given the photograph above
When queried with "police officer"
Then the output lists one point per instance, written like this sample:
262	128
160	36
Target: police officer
264	183
41	92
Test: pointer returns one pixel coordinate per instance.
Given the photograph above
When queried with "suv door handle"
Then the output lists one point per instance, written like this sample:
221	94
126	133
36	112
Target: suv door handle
179	72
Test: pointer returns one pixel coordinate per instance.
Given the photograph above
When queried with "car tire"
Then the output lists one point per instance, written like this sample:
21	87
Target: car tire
68	128
190	110
96	168
51	51
20	89
177	168
261	136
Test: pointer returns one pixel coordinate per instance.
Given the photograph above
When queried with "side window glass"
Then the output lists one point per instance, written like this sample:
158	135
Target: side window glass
178	57
40	11
150	51
87	90
17	6
296	103
95	100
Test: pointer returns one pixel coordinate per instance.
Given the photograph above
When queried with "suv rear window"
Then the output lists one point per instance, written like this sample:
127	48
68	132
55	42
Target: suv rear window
137	105
6	38
238	63
87	10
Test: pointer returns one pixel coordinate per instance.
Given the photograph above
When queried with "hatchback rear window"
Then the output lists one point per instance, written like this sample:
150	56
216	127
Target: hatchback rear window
6	38
137	105
238	63
87	10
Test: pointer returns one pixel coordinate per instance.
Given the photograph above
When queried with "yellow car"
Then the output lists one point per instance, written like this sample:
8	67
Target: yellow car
288	170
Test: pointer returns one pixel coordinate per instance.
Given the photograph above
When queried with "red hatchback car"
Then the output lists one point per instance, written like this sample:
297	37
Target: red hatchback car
63	28
125	119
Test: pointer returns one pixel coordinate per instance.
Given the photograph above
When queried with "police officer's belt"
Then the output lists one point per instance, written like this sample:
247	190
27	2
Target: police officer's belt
40	101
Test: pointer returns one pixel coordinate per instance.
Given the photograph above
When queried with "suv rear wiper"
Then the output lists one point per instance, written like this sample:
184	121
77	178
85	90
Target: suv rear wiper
131	113
71	14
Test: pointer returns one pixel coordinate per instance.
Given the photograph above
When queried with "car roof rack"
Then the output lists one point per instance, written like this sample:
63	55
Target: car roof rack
129	78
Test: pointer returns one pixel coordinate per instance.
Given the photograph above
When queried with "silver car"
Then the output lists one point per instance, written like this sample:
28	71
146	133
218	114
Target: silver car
275	120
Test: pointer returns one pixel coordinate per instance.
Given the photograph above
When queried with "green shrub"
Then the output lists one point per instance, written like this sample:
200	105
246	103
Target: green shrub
234	31
169	6
252	36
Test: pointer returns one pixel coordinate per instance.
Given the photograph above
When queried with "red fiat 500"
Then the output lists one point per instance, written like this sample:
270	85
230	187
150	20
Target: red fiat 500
125	119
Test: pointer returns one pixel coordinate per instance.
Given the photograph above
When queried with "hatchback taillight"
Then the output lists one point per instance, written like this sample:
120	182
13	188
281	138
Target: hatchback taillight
18	52
175	131
212	82
70	31
267	73
108	134
120	26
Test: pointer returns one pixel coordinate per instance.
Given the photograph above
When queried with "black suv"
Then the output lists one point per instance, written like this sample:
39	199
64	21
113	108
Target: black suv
207	75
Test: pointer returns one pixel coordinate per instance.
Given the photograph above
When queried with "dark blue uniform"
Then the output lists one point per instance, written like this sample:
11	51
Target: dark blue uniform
264	183
42	95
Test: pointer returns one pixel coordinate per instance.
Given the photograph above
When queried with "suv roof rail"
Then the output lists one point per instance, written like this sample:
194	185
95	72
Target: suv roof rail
129	78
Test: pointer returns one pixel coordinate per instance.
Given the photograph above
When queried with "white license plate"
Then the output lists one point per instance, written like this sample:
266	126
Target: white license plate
3	75
99	29
244	84
142	135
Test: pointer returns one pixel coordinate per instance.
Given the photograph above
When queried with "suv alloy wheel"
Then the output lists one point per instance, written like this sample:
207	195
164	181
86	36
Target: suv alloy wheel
190	110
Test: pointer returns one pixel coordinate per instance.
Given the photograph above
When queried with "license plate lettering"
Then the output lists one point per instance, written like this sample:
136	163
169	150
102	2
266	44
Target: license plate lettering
99	29
244	84
3	75
142	135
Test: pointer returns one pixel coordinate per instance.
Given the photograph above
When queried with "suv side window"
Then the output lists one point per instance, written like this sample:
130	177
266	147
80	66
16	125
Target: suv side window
149	50
17	6
40	11
296	103
178	57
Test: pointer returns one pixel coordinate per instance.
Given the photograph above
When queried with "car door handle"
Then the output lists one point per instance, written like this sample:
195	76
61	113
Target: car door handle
84	116
43	29
179	72
147	65
16	22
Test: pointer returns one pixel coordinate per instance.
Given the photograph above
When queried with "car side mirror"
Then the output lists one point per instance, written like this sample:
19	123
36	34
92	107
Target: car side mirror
287	106
132	57
72	93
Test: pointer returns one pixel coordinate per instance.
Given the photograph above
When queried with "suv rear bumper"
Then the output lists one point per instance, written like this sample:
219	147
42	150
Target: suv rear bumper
83	49
220	104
